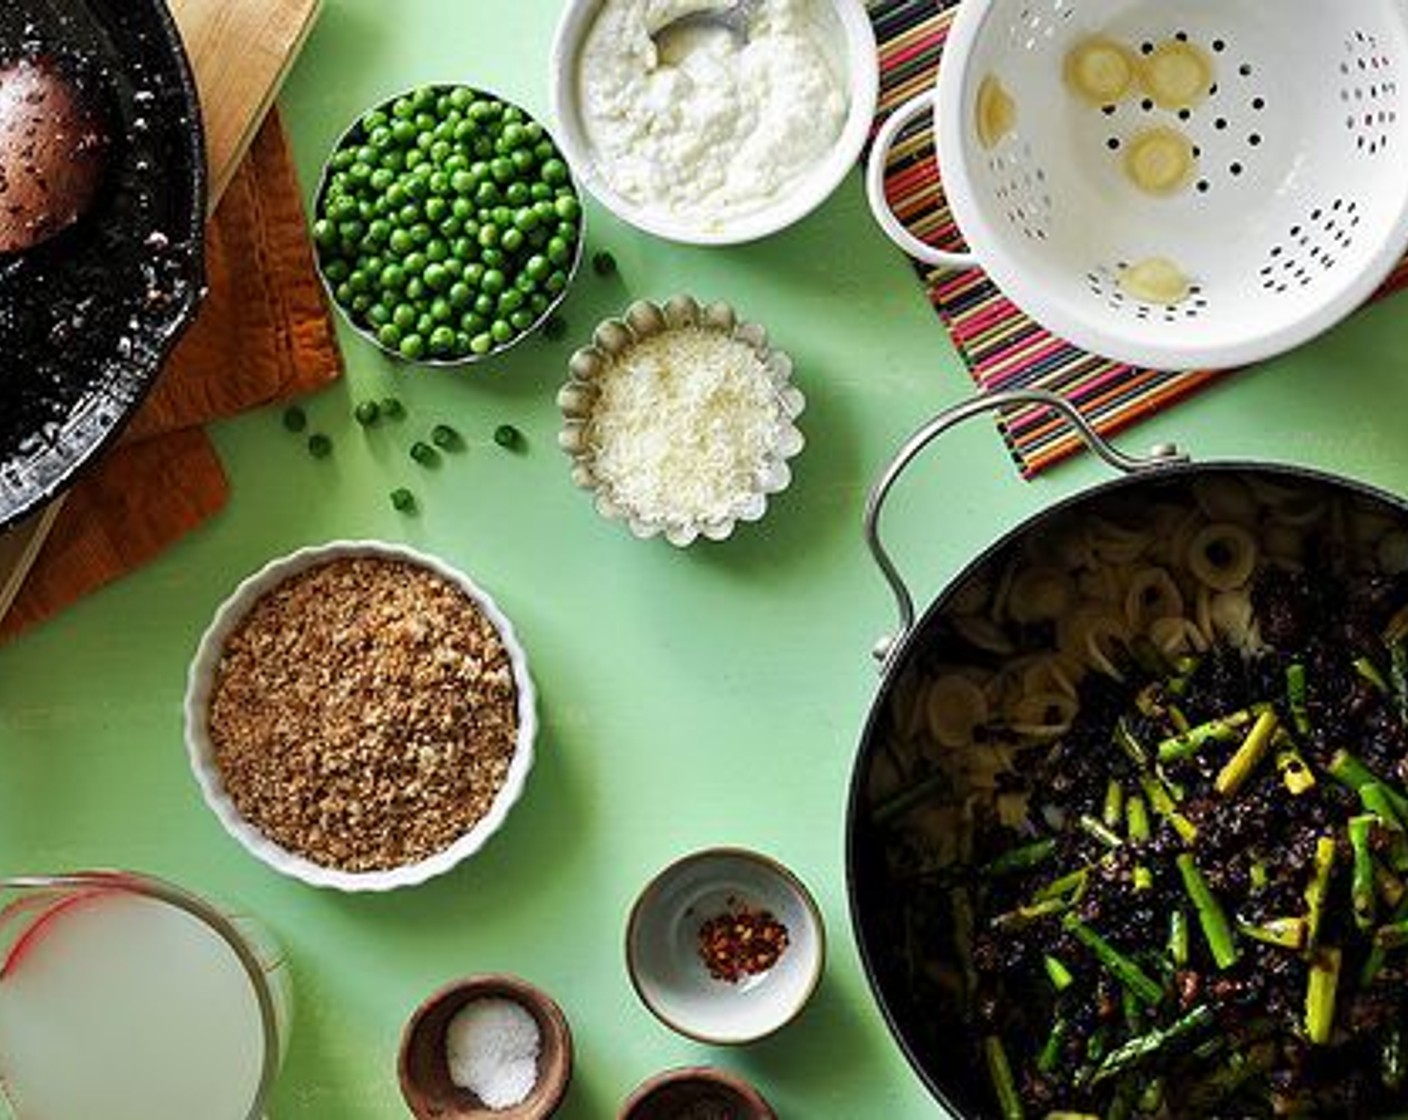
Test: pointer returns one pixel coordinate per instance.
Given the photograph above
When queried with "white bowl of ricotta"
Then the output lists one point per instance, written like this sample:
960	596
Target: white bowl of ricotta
703	137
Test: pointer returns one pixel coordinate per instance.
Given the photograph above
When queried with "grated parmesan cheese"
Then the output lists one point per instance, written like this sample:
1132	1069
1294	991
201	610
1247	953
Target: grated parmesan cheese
683	426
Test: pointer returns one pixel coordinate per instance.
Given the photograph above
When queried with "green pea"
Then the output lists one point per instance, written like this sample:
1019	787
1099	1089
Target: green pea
412	347
415	262
343	159
440	151
424	454
461	344
319	446
352	231
373	119
394	160
473	323
463	248
461	98
481	343
436	209
512	239
462	208
460	295
474	274
295	419
554	171
538	303
378	315
423	97
500	331
403	108
558	251
525	283
413	158
537	267
501	169
421	233
441	311
542	192
436	278
417	187
518	193
486	194
484	304
403	132
404	316
344	294
492	258
493	282
378	231
424	324
324	233
402	500
389	336
436	250
453	265
603	263
366	413
415	289
408	216
556	282
360	303
489	236
526	220
442	340
568	208
521	319
507	436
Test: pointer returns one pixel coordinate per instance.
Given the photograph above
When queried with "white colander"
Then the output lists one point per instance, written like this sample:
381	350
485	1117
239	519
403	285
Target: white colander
1296	211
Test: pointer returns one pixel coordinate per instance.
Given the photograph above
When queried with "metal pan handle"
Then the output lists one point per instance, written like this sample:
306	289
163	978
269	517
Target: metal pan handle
1161	456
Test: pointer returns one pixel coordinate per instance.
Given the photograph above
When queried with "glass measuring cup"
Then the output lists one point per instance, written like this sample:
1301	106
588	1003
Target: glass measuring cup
123	995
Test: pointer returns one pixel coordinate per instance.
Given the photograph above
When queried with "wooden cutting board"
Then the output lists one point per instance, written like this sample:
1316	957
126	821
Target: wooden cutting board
241	51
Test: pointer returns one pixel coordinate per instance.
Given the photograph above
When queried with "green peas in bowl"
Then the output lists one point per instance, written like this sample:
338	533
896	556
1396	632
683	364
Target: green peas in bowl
447	225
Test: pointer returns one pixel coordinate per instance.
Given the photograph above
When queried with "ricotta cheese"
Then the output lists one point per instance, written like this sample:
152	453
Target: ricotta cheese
683	426
706	128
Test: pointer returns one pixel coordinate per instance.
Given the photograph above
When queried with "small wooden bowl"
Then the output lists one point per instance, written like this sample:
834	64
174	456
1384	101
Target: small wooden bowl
424	1068
668	1094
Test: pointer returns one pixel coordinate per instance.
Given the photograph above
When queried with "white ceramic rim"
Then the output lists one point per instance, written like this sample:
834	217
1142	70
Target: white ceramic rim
201	677
986	244
863	70
788	881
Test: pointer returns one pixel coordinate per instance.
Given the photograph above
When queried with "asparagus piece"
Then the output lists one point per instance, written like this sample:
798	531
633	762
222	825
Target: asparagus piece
1004	1085
1137	823
1058	973
1155	1042
1296	774
1178	938
1142	878
1368	671
1362	884
1353	774
1248	756
1296	698
1217	931
1025	858
1122	967
1114	805
1318	889
1128	742
1223	730
1094	828
1374	962
1163	804
1398	678
1320	995
1050	1054
1025	915
1378	799
899	806
1073	884
1288	933
1390	887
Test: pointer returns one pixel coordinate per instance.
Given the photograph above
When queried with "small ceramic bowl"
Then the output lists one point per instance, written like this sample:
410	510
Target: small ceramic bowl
200	685
853	42
424	1068
695	1090
614	338
663	946
356	135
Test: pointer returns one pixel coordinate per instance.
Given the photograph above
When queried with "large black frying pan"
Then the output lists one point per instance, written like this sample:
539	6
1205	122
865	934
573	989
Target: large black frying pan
87	316
928	1027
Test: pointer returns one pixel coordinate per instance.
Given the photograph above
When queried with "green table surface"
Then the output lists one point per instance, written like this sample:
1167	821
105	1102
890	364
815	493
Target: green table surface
709	696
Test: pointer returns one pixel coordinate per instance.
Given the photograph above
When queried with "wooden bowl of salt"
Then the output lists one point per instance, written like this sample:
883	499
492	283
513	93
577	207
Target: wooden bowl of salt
487	1046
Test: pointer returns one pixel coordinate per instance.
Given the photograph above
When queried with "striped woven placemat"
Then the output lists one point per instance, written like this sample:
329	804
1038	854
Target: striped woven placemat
1002	347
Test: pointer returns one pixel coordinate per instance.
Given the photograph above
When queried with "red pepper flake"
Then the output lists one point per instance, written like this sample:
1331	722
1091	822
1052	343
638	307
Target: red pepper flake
742	942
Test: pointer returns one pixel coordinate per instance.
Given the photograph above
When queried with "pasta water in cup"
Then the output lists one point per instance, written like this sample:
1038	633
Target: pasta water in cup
127	998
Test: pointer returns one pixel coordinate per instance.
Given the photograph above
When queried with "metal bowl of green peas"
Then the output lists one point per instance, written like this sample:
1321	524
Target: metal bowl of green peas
447	225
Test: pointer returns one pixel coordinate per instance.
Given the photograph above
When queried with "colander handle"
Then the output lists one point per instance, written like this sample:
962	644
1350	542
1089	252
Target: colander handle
1161	456
875	166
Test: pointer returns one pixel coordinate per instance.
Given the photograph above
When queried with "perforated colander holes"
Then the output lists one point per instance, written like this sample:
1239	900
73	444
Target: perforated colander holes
1104	285
1368	90
1311	248
1038	23
1228	122
1020	187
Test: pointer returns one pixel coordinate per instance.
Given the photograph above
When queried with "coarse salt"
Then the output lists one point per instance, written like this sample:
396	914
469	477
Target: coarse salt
683	426
492	1047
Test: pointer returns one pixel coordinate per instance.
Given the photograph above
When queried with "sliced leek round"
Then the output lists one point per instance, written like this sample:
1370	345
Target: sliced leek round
1176	75
996	112
1101	70
1160	161
1156	280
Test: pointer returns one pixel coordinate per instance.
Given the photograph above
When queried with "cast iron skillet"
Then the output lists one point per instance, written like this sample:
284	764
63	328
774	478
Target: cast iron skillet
87	317
945	1063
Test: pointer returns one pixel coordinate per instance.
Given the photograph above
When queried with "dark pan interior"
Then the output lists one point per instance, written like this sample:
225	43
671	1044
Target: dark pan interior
87	317
931	1034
